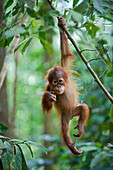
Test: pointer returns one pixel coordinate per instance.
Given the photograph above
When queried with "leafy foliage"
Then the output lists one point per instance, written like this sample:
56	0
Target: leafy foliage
14	158
90	23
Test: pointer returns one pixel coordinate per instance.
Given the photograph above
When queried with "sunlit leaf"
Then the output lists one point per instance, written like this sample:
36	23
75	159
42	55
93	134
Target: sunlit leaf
15	31
29	149
88	148
99	145
110	145
44	149
76	16
4	137
17	141
99	5
8	4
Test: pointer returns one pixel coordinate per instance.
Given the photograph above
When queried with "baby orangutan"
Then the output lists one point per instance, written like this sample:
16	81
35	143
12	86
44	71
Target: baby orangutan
63	94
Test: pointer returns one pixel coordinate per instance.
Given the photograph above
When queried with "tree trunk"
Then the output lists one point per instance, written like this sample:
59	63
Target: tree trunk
3	91
48	118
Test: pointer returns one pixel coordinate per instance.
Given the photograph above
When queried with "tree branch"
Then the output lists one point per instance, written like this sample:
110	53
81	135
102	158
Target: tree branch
7	59
88	65
85	61
99	58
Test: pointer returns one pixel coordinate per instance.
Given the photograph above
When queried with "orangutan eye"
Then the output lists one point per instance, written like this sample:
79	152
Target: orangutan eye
61	80
54	82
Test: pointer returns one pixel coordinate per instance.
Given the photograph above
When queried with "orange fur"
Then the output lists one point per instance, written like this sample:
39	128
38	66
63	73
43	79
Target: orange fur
62	92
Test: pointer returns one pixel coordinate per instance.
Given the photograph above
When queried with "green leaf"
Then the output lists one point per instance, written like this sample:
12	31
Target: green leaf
88	148
54	13
99	5
94	29
16	163
29	149
26	45
46	45
7	156
32	13
91	28
42	37
16	141
97	159
81	8
49	20
75	2
9	3
4	137
36	1
24	166
105	17
38	146
110	74
67	1
15	31
111	113
3	128
22	43
110	145
76	16
46	29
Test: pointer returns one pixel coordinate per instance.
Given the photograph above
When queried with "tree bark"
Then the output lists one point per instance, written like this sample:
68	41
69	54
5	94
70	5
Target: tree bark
3	90
48	118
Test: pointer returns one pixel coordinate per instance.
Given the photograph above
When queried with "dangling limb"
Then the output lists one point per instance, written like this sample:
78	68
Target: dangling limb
66	136
82	111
